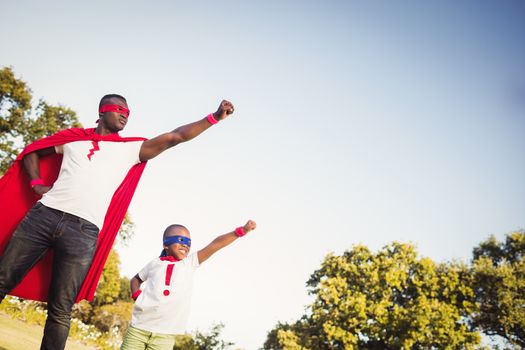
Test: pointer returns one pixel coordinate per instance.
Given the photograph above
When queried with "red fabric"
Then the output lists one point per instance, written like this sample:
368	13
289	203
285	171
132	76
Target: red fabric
114	108
169	272
135	295
93	150
17	197
212	119
35	182
169	258
239	231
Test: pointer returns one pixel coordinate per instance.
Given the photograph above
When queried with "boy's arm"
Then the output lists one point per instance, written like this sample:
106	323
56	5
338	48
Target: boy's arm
155	146
224	240
135	286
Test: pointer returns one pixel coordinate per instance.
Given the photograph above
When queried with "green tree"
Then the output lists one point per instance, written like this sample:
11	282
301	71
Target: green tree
15	103
20	123
108	289
285	336
49	119
125	290
499	283
389	300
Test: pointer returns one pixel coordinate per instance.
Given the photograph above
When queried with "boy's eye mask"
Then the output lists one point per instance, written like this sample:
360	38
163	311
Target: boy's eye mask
177	239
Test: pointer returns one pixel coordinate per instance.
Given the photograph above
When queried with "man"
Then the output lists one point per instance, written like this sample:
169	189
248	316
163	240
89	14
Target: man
94	173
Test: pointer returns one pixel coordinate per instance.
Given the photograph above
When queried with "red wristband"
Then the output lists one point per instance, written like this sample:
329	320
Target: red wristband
212	119
239	231
135	295
35	182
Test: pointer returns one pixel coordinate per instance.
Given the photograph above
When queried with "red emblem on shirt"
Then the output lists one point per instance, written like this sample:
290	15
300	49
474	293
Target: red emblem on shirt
94	149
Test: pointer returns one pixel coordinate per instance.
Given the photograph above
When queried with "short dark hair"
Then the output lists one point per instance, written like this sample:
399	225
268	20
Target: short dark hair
171	227
108	96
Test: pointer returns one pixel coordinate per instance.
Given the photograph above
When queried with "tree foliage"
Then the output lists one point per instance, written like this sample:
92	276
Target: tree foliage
113	316
20	123
499	283
127	230
108	289
388	300
125	290
15	103
203	341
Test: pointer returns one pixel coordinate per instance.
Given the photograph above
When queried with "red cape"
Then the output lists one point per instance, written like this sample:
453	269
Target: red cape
17	197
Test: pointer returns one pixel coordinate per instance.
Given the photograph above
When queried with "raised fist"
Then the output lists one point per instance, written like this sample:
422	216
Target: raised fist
250	225
225	109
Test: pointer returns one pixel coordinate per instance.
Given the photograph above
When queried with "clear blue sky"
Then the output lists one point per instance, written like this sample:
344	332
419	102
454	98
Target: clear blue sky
356	122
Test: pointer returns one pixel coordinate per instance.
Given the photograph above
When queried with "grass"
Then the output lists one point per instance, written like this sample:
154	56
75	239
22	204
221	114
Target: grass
18	335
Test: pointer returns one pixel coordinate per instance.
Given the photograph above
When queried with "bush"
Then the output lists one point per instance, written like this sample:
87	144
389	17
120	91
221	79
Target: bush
203	341
82	311
108	317
125	290
84	332
32	312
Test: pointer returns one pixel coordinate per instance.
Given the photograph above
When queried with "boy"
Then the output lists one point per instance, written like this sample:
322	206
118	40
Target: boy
162	305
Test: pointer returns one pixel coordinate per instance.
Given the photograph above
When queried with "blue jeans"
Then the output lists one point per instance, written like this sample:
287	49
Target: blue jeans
73	241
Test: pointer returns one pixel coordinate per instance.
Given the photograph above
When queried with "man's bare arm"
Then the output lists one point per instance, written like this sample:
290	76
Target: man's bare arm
155	146
32	167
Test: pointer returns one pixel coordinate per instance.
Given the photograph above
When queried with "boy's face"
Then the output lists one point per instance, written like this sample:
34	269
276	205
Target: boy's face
177	250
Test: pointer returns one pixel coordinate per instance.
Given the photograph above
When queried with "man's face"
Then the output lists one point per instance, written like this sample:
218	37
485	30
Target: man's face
178	250
113	120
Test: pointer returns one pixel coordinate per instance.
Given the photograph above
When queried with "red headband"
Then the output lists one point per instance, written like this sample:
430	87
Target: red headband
114	108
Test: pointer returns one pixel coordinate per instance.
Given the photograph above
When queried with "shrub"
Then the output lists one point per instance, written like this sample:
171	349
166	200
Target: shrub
111	316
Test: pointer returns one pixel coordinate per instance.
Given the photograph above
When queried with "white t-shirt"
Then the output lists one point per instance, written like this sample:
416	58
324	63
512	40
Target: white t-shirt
159	313
85	185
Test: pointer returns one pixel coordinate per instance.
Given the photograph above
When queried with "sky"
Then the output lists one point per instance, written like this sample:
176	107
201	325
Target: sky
356	122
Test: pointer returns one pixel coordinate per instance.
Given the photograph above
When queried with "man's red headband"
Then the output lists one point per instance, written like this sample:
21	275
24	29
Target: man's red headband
114	108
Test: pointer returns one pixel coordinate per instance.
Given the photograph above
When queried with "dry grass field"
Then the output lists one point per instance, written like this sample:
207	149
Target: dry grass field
17	335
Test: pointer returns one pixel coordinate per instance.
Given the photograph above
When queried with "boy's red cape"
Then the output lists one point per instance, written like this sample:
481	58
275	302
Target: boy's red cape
17	197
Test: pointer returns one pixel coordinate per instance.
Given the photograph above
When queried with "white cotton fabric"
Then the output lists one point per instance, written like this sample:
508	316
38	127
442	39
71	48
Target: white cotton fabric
85	186
159	313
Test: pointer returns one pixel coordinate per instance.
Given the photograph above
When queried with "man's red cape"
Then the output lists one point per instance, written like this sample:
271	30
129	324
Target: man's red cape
17	197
